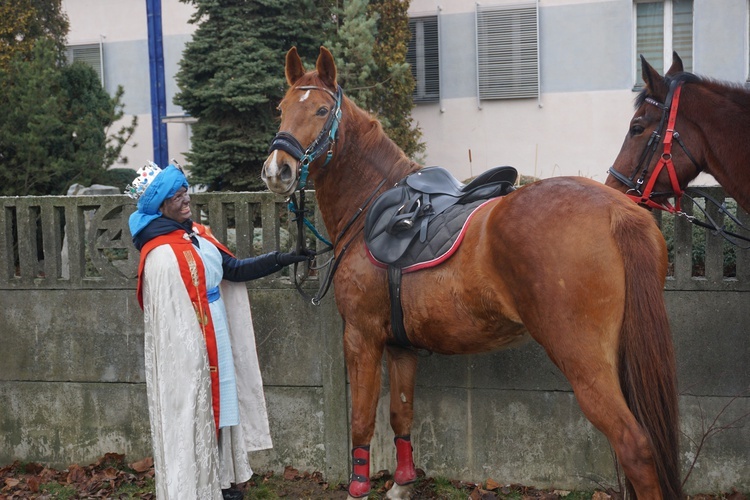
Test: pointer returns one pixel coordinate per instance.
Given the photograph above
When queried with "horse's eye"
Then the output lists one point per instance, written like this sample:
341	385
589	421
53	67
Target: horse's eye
322	111
636	130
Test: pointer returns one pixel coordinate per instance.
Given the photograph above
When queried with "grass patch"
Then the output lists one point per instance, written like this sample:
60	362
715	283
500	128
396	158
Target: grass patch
134	491
59	491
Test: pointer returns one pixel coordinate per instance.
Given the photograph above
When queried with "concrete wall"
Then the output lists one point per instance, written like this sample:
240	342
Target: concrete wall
72	384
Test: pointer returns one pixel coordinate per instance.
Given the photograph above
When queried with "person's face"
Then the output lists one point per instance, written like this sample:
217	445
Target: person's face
177	207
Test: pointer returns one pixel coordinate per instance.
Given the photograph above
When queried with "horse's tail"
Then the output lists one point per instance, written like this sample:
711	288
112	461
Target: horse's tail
646	362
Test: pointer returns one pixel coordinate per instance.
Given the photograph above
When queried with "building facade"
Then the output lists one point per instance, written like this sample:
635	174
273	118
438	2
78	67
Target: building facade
546	86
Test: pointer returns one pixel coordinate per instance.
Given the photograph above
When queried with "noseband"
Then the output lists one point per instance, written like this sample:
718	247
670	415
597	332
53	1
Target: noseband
636	191
325	141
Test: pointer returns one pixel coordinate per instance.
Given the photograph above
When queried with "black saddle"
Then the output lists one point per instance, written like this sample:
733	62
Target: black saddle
400	214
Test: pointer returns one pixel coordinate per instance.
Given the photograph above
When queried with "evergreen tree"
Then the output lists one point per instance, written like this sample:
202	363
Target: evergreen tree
53	130
353	46
392	101
370	49
231	78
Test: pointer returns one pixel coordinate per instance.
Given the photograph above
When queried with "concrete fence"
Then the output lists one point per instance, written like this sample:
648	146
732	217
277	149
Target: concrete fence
72	384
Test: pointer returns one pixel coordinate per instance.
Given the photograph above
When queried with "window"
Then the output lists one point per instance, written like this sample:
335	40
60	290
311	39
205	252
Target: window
507	51
662	27
91	54
423	56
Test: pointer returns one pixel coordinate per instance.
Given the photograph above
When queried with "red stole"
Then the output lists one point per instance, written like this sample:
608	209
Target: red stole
193	276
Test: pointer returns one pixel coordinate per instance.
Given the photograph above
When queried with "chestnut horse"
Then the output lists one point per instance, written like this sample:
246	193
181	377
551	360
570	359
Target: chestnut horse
684	125
569	262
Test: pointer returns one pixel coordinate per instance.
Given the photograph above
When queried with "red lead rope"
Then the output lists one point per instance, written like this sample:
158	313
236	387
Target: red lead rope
665	161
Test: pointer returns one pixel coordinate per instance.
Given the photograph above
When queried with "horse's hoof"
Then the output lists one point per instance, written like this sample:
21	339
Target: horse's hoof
404	475
358	489
399	492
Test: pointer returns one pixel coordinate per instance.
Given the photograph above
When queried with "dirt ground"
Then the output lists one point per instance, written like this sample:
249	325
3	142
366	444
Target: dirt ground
112	477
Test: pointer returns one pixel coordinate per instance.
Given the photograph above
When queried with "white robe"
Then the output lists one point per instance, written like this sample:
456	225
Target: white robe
188	461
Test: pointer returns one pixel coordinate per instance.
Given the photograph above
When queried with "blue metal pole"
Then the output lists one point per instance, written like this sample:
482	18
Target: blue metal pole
158	91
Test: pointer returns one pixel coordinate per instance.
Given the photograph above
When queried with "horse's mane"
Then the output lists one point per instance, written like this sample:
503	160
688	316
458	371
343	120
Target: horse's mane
373	138
736	92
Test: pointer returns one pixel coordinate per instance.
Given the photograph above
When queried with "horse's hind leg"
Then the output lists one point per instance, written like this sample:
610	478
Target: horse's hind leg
596	385
604	405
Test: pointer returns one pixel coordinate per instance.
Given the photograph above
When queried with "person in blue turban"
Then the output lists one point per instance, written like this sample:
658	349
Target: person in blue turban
205	393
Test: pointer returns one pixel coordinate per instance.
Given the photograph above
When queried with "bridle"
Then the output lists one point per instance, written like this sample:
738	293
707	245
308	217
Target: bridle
644	195
326	140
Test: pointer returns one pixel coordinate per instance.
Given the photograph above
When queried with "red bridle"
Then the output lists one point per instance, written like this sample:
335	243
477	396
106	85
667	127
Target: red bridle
665	162
636	191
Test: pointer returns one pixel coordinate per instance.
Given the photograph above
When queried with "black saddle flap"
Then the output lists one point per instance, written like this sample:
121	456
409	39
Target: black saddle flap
379	218
400	214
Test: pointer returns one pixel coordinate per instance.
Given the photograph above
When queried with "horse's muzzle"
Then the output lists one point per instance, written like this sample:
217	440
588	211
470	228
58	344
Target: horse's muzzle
279	174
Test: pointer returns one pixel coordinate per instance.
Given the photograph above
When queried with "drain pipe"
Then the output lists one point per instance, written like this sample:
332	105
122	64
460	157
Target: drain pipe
158	90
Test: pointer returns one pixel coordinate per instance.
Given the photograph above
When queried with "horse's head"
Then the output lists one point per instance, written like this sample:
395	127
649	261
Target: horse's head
310	116
648	168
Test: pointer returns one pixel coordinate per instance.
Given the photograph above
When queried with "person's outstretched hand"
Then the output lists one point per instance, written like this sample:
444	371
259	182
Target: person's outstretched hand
285	259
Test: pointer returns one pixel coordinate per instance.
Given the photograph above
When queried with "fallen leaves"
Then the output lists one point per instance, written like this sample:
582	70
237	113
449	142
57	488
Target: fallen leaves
103	479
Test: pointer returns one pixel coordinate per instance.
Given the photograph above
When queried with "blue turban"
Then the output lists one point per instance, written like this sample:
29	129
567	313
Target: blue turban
163	187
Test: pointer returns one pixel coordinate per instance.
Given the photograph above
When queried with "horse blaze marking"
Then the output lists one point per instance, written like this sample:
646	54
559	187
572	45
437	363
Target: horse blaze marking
273	164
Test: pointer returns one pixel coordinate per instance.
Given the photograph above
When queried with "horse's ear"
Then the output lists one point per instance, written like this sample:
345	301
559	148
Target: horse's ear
653	80
677	66
293	68
326	67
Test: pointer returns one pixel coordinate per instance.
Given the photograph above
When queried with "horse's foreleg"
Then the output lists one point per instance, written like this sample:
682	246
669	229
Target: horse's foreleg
402	369
363	365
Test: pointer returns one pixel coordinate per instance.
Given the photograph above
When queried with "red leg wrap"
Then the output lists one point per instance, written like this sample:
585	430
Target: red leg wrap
359	484
405	472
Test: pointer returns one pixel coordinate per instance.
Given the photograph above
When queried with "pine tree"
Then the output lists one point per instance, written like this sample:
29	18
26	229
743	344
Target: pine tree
370	49
231	79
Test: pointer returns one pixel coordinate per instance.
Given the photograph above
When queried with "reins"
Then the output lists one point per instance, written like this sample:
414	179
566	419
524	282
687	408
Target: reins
334	261
712	225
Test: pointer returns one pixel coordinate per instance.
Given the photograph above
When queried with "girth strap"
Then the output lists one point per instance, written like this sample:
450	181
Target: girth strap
397	312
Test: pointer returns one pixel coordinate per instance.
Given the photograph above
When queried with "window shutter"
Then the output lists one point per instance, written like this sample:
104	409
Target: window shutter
507	51
682	31
90	54
423	57
650	35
